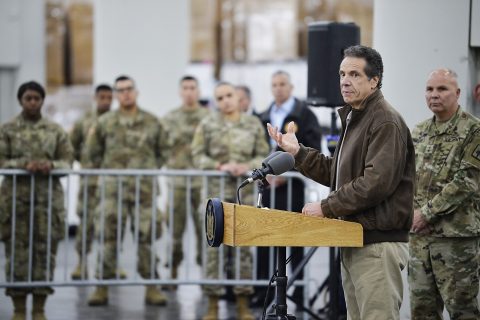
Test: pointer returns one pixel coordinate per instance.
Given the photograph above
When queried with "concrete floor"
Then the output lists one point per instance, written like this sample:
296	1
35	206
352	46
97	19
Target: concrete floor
127	302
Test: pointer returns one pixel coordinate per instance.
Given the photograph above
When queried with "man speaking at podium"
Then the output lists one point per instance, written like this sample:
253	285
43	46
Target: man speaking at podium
371	175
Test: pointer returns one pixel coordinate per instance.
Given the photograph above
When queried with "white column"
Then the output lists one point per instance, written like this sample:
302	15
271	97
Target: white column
147	40
415	37
22	53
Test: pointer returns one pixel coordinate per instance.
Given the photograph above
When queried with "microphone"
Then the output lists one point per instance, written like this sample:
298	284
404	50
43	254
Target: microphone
276	164
270	157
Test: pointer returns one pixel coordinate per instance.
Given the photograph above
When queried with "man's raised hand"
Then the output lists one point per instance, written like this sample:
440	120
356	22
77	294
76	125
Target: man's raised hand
287	141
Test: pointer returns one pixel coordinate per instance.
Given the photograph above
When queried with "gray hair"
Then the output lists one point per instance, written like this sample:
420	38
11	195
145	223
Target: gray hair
282	73
447	72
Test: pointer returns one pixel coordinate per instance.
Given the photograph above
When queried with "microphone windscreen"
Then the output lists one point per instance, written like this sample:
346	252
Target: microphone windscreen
281	163
270	157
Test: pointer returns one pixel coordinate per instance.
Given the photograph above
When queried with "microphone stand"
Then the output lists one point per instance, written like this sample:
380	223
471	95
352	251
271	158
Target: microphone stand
281	279
262	185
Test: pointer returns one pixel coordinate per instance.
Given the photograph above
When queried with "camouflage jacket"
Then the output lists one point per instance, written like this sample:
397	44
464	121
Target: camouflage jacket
218	141
180	125
120	142
448	175
22	141
78	136
127	142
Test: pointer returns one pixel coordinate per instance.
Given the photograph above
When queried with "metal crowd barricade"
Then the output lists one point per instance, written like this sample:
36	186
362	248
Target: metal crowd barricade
66	255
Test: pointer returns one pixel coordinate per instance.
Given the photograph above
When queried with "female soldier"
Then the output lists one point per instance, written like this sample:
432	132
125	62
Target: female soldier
28	219
233	142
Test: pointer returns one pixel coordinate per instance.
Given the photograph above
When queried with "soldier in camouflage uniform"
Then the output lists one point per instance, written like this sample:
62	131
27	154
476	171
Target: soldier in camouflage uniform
180	125
233	142
38	145
88	185
128	138
444	243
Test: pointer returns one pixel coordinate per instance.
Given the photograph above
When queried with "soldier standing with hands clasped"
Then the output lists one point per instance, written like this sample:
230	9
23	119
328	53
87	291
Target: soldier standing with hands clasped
128	138
180	125
35	144
78	137
233	142
445	235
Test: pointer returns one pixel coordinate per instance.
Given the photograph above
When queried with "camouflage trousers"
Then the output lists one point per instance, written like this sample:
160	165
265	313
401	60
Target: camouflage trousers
42	268
145	232
87	202
444	271
181	206
229	255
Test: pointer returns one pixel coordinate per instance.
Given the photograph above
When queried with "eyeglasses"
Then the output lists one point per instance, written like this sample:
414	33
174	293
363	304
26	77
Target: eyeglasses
126	89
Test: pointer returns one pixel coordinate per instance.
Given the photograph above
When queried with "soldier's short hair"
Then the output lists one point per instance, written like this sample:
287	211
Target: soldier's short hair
188	78
103	87
374	63
245	89
224	83
123	78
30	85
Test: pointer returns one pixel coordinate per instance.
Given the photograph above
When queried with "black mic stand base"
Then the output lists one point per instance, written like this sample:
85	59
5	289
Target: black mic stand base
281	279
275	317
281	286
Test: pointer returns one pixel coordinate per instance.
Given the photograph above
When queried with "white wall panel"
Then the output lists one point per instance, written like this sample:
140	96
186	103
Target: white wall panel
147	40
415	37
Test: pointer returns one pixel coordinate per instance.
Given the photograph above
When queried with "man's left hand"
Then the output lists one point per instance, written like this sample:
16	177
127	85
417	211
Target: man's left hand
313	209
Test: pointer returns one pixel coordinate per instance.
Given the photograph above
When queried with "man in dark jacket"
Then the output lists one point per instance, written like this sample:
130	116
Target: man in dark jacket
284	109
371	175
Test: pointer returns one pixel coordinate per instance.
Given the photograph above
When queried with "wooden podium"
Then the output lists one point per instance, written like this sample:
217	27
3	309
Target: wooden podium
240	225
250	226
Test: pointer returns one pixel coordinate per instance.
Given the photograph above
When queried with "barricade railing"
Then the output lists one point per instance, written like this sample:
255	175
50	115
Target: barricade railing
66	255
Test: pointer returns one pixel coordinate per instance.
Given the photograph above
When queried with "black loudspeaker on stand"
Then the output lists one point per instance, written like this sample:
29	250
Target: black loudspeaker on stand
326	44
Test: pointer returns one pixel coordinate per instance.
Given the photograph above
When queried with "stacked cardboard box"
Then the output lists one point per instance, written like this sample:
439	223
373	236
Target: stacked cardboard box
55	46
202	28
360	12
69	42
272	30
253	30
80	27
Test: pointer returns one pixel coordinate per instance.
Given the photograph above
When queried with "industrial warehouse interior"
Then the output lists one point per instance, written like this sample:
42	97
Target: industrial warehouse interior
114	224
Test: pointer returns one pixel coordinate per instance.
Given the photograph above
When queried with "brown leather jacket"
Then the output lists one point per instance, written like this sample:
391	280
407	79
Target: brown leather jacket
376	175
